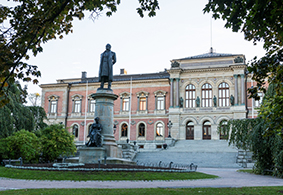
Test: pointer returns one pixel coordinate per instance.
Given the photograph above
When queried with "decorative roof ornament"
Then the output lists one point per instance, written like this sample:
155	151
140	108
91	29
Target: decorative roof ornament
239	60
175	64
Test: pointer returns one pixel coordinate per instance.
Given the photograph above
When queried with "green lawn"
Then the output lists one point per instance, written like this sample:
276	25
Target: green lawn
246	171
83	176
155	191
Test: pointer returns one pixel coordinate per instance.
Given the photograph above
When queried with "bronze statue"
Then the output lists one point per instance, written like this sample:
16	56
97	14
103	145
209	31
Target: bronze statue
181	102
215	101
107	60
198	102
95	138
232	100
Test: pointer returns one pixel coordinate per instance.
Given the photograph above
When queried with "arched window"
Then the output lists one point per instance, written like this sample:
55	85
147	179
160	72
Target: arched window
190	96
159	129
141	130
206	95
76	130
223	94
124	130
206	129
223	135
190	130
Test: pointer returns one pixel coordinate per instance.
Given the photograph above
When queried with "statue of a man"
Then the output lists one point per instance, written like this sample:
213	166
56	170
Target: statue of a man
95	135
232	100
107	60
215	101
181	102
198	101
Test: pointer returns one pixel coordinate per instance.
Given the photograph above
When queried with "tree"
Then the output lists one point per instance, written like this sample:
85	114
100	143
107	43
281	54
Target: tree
29	24
21	144
34	99
259	21
56	141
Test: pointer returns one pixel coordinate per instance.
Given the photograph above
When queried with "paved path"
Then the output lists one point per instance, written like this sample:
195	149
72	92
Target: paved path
228	178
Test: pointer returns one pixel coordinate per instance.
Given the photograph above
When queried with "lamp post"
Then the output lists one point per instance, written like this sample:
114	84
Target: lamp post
169	125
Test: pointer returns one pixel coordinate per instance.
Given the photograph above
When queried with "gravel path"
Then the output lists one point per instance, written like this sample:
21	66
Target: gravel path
228	178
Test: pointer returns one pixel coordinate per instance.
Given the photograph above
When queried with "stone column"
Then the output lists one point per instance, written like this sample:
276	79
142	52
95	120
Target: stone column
121	104
242	89
146	104
236	89
104	109
171	92
177	92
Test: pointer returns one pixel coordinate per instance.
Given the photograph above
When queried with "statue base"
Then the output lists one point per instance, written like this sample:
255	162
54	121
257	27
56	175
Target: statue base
91	155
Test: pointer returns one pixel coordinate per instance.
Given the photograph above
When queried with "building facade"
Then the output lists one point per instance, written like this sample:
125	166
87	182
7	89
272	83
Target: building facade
195	95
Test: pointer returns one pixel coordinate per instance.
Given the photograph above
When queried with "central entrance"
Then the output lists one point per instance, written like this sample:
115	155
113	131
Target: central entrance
206	129
190	130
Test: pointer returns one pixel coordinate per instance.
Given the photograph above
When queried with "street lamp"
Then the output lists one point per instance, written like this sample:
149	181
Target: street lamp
169	125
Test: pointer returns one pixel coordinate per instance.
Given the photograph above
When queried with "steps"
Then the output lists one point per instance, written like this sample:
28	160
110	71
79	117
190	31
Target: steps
204	153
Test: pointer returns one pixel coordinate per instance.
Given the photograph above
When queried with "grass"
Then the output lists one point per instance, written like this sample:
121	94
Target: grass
102	176
246	171
156	191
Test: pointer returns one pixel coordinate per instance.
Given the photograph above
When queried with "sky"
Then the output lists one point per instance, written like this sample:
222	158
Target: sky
142	45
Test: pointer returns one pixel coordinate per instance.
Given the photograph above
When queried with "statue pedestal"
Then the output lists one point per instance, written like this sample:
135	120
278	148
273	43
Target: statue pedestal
104	103
91	155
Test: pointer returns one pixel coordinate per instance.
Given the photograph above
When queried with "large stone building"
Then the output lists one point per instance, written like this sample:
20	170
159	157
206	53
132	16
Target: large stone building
195	95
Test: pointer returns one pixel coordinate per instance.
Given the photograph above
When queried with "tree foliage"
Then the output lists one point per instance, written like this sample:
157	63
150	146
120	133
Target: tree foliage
21	144
56	141
15	116
27	25
259	21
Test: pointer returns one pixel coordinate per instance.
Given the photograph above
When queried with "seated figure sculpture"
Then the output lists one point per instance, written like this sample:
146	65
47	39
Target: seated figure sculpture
95	138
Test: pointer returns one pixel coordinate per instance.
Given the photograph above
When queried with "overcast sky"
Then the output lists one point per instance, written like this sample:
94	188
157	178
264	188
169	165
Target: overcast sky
142	45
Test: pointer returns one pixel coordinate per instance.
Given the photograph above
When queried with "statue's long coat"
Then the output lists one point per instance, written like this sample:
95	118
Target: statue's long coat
107	71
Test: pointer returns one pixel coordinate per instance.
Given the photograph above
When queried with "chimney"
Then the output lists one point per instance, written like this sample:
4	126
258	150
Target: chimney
123	71
83	75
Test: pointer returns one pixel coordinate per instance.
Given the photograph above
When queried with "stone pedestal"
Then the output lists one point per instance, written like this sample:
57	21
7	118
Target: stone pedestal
91	155
104	103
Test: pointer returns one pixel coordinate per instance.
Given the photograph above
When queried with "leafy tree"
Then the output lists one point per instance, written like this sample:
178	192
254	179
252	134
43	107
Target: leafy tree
56	141
29	24
259	21
14	116
21	144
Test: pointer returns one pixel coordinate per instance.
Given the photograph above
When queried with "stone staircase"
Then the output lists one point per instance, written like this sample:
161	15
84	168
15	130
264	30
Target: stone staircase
204	153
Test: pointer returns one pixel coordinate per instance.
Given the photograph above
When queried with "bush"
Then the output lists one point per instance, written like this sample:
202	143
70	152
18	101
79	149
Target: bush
56	141
21	144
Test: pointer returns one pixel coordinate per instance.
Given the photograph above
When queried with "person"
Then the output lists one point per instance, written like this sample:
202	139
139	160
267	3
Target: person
107	60
95	134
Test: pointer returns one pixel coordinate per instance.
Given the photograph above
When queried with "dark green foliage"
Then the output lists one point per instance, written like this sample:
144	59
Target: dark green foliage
257	136
21	144
39	115
56	141
259	21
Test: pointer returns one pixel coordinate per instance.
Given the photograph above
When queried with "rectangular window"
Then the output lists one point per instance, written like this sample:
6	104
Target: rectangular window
77	106
53	107
160	103
92	106
126	103
142	103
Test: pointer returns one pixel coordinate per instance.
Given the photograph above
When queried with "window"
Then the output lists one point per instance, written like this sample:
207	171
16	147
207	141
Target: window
159	129
160	103
141	130
53	101
223	135
190	96
126	104
258	102
206	94
91	105
76	131
124	130
77	102
53	108
143	103
223	95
